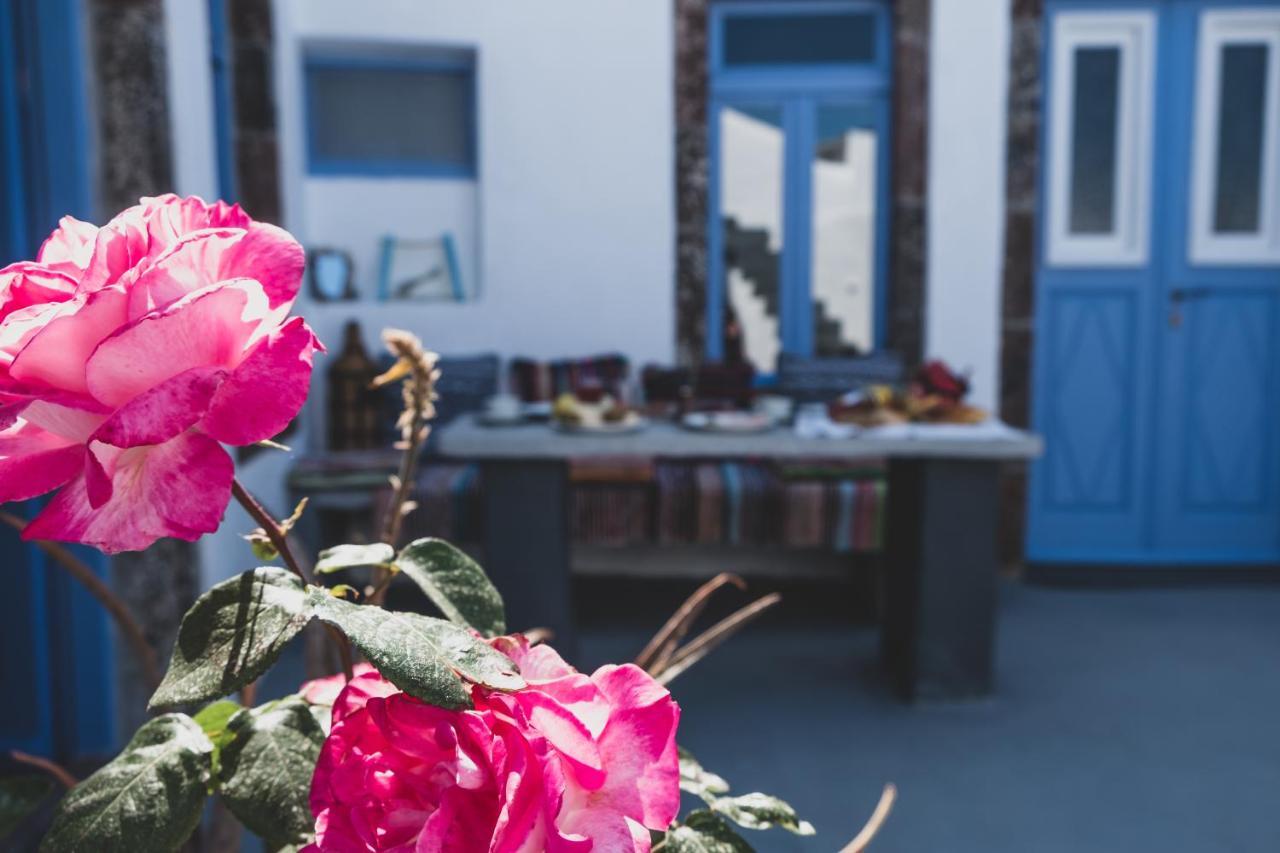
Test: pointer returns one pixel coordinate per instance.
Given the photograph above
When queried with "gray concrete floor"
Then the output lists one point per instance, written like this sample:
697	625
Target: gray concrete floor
1125	720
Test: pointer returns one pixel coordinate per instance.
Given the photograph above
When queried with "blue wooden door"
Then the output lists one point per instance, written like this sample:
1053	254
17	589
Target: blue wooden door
1157	370
56	669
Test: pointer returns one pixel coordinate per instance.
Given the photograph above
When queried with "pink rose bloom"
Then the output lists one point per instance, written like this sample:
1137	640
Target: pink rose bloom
566	765
129	354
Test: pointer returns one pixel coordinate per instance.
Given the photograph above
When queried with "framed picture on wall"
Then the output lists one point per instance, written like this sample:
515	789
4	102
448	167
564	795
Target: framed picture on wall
330	275
420	270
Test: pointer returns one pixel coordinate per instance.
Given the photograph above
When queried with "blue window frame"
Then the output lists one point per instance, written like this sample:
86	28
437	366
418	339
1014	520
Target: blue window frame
804	86
223	121
391	116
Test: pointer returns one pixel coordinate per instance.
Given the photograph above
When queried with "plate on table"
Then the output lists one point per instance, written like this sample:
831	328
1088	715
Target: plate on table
738	422
629	424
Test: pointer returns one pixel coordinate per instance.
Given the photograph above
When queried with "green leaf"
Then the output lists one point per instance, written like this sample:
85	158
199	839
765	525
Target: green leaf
266	769
425	657
231	635
704	832
455	583
351	556
19	797
212	720
761	811
698	781
149	798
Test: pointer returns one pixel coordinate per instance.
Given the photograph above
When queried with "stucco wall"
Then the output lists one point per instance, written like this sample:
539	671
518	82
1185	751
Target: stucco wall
572	222
969	62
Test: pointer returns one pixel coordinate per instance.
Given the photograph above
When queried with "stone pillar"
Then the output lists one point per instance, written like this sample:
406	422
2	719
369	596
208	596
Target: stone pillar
1017	315
910	169
254	108
691	178
127	93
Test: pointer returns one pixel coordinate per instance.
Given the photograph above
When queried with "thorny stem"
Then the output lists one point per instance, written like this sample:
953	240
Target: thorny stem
269	526
279	541
113	604
57	771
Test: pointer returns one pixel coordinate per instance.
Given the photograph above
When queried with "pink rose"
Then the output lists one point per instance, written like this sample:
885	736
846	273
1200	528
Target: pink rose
566	765
130	353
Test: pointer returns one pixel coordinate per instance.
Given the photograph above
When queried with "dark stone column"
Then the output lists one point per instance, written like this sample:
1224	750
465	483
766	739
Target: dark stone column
909	189
128	92
691	178
253	93
1017	314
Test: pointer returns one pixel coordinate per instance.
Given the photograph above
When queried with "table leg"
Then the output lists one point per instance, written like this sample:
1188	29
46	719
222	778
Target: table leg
938	628
526	532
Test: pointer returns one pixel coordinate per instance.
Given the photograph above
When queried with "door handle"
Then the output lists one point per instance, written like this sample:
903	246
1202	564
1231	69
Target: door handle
1186	294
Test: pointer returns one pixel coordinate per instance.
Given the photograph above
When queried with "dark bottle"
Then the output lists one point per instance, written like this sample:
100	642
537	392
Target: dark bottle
353	406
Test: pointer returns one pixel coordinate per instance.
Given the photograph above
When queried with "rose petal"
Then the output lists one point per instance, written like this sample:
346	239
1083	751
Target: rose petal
179	488
266	391
55	356
638	746
164	410
208	328
271	256
34	461
74	420
190	264
25	284
70	246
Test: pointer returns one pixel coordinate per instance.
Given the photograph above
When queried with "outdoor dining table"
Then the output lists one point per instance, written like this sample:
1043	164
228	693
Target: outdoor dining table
941	562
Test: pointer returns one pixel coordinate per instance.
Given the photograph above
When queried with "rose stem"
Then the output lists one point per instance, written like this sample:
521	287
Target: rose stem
106	597
278	541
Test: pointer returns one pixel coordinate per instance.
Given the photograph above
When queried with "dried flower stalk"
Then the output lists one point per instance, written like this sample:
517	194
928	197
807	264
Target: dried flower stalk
416	367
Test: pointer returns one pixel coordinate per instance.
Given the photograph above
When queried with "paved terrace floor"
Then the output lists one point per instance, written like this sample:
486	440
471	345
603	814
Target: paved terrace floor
1126	720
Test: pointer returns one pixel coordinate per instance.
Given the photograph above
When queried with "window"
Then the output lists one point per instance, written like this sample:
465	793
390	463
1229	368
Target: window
393	116
1235	206
799	37
1102	78
799	120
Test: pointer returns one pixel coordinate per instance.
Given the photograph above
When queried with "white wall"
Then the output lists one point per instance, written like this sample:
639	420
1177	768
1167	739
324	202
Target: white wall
574	221
968	86
191	121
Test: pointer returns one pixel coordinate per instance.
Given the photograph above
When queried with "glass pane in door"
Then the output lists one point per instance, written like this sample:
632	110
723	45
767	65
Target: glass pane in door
843	171
1242	110
751	180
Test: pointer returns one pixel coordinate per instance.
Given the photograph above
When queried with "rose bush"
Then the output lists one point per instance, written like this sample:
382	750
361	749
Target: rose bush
569	763
130	353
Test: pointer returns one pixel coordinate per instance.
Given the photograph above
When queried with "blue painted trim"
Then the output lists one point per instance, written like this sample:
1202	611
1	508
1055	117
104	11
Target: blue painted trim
798	91
318	164
455	275
223	114
384	267
13	207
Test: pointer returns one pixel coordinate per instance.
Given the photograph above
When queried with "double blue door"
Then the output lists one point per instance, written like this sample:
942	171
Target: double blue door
1157	354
